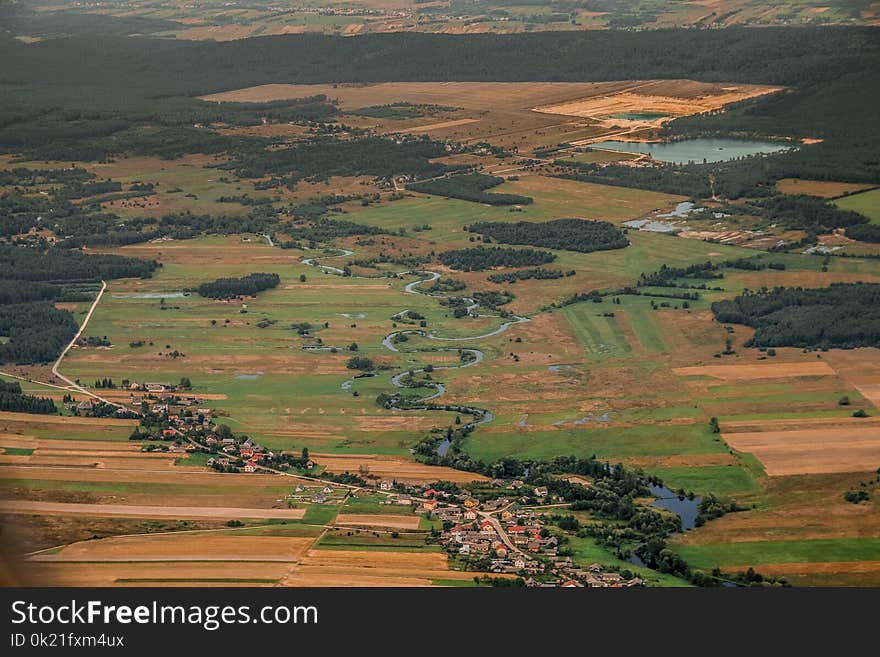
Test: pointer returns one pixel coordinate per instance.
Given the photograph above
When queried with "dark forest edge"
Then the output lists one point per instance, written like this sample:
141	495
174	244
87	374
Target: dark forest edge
34	279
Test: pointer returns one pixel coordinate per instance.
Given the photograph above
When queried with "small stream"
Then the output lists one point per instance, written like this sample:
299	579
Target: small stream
685	508
482	416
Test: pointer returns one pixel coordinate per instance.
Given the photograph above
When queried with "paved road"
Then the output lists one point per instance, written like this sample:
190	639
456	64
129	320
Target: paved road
503	534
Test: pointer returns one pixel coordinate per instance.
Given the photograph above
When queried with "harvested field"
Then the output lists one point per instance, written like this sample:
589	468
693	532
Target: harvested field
670	98
52	446
67	420
794	424
371	568
871	392
758	371
471	95
522	114
393	468
148	574
801	507
25	533
752	280
681	461
865	569
439	126
132	462
182	547
821	188
378	520
142	511
145	476
811	451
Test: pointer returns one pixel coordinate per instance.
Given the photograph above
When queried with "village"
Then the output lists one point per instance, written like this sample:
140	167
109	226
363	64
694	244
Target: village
501	533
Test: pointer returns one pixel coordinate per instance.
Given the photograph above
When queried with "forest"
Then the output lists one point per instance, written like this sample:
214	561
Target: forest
326	230
809	213
147	105
843	315
580	235
489	257
771	55
864	233
29	264
37	331
319	159
469	187
246	286
13	400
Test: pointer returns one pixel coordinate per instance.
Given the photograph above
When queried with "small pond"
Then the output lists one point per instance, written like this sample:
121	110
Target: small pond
695	150
684	508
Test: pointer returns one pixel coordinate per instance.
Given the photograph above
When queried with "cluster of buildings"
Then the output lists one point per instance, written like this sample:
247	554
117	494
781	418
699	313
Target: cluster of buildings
596	576
232	452
503	536
314	494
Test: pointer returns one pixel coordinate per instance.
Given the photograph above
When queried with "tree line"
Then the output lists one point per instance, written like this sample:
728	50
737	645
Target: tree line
470	187
843	315
319	159
538	273
32	279
29	264
246	286
579	235
489	257
13	400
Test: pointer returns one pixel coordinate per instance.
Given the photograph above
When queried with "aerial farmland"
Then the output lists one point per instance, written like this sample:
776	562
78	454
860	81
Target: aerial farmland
432	325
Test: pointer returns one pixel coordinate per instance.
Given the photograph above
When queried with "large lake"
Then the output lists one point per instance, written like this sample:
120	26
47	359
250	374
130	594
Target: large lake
695	150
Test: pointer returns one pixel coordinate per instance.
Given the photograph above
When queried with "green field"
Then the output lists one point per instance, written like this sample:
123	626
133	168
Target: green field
722	480
16	451
193	459
866	203
776	552
158	489
607	443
